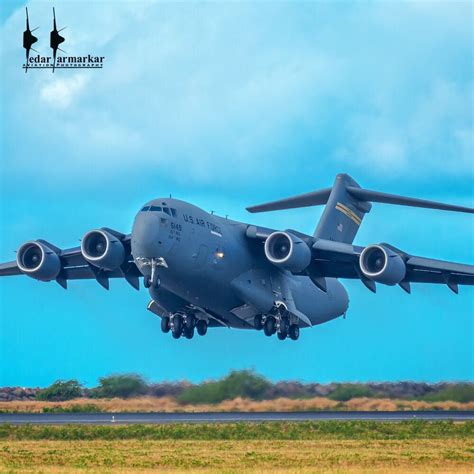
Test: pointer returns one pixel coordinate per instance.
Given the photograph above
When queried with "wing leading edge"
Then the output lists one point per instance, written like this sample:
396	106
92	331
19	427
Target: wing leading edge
75	267
342	261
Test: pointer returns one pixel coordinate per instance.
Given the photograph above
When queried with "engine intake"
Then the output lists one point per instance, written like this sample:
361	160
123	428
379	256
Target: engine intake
287	251
102	249
380	264
38	261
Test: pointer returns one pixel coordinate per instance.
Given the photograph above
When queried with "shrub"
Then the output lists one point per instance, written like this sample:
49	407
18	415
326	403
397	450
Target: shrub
84	408
244	383
347	391
60	390
122	386
460	392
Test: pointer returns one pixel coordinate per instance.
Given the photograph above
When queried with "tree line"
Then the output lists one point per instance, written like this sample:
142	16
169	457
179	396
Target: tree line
248	384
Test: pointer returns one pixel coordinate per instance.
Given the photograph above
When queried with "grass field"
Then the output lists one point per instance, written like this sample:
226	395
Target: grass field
252	455
414	446
169	404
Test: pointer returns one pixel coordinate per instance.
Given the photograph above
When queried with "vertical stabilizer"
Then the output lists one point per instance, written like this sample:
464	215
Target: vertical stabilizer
343	213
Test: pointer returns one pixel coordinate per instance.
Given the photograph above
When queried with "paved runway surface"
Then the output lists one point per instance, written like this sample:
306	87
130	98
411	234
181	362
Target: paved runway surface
159	418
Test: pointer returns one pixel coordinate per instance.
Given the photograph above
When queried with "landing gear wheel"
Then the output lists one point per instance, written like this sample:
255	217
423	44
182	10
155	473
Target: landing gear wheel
294	332
284	326
190	321
282	335
188	333
201	327
177	326
165	324
147	281
258	322
269	327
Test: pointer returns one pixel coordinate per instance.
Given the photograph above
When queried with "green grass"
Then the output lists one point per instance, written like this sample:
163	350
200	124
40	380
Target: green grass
337	430
85	408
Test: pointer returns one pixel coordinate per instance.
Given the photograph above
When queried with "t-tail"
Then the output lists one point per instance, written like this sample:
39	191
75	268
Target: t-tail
346	204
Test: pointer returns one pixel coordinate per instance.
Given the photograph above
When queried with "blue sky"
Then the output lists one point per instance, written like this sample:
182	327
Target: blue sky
228	105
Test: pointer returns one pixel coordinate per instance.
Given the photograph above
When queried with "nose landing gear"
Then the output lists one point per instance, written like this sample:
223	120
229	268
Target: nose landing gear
152	280
149	282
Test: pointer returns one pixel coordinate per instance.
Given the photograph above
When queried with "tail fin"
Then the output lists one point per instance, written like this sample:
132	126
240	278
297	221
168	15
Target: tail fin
346	203
343	213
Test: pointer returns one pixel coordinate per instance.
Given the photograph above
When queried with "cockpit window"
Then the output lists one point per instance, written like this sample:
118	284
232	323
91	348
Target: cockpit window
167	210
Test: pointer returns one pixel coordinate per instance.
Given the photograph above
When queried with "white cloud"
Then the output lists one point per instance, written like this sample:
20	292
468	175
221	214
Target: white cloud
61	93
434	133
186	85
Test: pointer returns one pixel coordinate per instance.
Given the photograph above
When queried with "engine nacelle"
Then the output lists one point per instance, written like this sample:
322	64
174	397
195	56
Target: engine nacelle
38	261
380	264
287	251
102	249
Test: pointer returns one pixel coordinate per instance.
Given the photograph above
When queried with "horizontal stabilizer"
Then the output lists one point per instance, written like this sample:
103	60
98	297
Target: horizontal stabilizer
375	196
359	195
314	198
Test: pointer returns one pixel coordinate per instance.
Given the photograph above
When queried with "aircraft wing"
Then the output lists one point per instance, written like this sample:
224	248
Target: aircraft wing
340	260
75	267
337	260
9	268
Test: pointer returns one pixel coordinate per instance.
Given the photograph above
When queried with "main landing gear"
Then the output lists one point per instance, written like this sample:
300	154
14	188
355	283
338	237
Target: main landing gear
183	324
277	321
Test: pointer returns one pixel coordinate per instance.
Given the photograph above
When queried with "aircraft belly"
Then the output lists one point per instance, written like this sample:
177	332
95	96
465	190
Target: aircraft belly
205	290
202	264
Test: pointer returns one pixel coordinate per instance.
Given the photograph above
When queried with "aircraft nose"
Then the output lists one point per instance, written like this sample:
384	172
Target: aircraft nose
145	236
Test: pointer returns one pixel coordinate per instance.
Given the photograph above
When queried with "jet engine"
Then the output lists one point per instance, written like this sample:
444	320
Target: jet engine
380	264
102	249
38	261
287	251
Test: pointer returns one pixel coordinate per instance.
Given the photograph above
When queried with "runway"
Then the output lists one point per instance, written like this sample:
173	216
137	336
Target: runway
233	417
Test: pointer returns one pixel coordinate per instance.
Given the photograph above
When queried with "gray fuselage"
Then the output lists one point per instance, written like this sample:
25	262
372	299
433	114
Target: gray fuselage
208	262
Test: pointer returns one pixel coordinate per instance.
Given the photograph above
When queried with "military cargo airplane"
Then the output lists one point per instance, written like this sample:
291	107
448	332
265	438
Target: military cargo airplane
205	271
